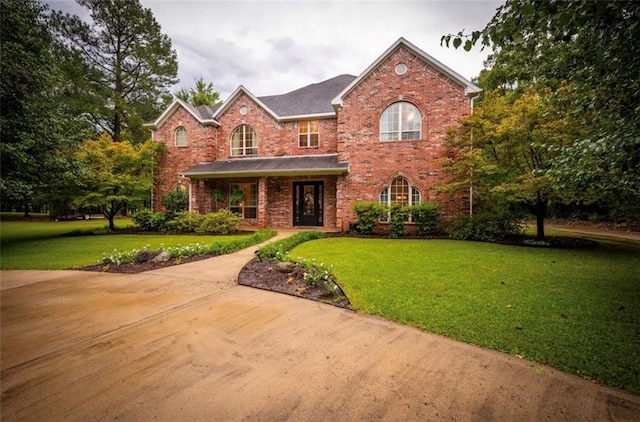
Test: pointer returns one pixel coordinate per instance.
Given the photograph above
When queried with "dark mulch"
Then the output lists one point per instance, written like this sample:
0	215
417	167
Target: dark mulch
268	275
564	242
134	268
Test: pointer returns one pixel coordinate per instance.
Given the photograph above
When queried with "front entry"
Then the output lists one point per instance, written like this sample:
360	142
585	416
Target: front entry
308	203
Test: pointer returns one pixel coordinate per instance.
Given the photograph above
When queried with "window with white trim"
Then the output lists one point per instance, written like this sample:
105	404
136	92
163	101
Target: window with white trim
243	199
308	134
180	135
400	121
400	193
244	141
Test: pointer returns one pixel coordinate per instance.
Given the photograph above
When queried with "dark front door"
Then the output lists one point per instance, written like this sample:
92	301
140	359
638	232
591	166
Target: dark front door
307	203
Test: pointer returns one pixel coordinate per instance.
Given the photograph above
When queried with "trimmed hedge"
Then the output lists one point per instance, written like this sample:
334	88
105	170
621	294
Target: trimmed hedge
278	250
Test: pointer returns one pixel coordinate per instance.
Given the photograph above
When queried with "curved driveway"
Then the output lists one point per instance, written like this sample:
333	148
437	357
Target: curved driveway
188	344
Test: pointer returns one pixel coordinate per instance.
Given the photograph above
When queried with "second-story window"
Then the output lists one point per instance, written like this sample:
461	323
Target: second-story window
244	141
400	121
181	136
308	134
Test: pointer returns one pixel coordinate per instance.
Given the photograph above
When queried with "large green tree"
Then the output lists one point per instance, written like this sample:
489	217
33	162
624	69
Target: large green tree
201	93
121	63
593	46
37	131
115	174
507	147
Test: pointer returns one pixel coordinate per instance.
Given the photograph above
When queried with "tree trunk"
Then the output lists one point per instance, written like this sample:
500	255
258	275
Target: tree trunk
541	214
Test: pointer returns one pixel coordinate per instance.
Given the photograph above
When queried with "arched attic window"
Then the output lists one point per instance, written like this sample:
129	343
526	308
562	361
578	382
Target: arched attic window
180	135
400	121
244	141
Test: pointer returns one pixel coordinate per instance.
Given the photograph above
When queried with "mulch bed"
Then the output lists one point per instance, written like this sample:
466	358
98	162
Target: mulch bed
270	275
134	268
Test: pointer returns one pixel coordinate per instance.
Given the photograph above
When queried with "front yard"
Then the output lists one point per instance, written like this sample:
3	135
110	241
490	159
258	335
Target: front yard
576	310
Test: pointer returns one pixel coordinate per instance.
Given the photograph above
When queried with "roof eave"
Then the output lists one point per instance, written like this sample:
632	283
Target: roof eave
308	116
262	173
235	94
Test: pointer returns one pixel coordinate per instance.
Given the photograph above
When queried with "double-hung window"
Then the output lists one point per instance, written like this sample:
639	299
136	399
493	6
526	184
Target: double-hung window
308	134
180	136
244	141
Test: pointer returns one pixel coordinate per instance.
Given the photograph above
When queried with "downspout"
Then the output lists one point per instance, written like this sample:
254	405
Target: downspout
471	185
190	193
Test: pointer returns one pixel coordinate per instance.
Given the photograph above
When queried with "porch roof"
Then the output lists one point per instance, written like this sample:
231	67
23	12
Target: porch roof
299	165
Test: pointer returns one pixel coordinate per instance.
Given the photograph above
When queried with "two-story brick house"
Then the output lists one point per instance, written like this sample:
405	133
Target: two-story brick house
305	157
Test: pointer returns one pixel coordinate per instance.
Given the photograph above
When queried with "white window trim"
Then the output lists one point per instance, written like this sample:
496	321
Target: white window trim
308	134
243	149
175	137
399	132
388	203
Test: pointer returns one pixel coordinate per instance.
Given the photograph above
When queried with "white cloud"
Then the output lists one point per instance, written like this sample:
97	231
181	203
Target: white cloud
273	47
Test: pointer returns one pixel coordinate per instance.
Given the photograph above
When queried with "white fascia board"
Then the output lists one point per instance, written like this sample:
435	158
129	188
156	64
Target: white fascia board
177	102
470	88
235	94
315	116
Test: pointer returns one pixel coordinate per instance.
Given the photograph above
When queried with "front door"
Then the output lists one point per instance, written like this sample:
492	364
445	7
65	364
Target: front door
308	203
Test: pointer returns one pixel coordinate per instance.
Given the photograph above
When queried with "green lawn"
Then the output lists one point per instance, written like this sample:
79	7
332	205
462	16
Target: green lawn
576	310
47	245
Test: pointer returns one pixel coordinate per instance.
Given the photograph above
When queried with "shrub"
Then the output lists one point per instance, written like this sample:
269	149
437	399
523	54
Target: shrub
484	226
368	213
185	222
426	217
219	222
278	250
398	218
176	200
149	221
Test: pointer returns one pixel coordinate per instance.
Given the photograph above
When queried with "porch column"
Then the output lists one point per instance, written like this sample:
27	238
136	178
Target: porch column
262	202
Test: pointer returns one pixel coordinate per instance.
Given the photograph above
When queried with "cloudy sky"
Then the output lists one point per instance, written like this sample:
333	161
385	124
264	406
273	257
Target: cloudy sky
273	47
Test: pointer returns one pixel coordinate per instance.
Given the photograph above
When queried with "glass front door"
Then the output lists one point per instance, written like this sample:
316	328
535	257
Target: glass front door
308	203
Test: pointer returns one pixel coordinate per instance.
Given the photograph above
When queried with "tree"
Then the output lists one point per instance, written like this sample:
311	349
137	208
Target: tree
593	47
121	63
37	129
115	174
507	148
200	94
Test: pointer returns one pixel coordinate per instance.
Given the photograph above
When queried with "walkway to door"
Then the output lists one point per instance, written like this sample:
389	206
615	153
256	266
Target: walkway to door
188	343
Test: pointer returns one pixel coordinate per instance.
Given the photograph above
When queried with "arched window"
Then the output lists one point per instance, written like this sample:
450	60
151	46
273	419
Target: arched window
244	141
399	192
181	136
400	121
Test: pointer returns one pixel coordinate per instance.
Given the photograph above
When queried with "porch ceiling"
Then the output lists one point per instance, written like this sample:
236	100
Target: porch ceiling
299	165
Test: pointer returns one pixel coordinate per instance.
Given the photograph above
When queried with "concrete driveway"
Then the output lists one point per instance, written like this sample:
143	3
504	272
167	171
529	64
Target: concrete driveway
188	344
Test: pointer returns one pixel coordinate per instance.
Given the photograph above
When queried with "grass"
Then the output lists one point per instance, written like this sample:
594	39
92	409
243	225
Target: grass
576	310
61	245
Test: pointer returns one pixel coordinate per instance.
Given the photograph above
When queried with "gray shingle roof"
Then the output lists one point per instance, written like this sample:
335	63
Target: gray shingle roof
312	99
270	166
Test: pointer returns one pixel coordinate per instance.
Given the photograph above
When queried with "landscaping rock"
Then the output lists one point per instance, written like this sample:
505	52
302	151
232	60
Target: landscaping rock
285	267
163	256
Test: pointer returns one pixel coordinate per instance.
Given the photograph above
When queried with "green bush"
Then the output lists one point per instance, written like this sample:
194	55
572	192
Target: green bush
176	201
368	213
399	216
185	222
278	250
149	221
219	222
484	226
426	217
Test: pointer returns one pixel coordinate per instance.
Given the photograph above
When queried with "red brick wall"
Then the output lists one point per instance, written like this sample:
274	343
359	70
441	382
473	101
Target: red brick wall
201	147
275	138
374	164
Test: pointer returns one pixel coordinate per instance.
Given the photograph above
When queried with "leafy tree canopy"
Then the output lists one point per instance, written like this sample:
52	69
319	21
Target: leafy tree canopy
115	174
201	94
121	63
592	46
37	129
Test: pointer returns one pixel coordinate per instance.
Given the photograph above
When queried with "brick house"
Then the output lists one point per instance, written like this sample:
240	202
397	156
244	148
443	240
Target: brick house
305	157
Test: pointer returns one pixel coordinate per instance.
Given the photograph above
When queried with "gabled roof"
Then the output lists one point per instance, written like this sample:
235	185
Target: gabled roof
469	87
269	166
311	100
202	113
242	90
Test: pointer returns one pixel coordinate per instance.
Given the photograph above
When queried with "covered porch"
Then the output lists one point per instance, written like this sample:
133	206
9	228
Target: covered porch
287	192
